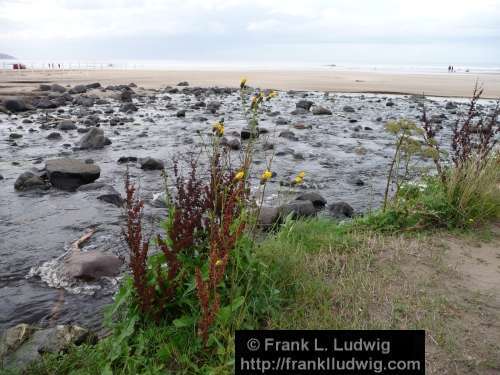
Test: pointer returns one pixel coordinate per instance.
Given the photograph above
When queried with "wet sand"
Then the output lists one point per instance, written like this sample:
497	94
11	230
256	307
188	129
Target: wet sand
452	85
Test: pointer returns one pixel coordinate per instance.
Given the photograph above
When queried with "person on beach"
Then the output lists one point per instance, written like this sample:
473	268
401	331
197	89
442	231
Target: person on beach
449	68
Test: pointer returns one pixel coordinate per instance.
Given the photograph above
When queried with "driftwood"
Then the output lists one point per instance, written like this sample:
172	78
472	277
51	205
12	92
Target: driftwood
75	246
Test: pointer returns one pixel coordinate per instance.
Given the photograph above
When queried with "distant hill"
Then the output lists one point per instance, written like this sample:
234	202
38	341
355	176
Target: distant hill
5	56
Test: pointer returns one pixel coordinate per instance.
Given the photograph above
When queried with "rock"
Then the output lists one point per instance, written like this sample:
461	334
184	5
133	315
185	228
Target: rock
451	105
246	133
84	101
358	182
268	216
94	85
126	96
348	109
389	103
213	106
128	107
288	135
44	87
44	103
66	125
111	196
57	88
93	186
69	174
183	83
233	144
15	105
298	209
30	181
78	89
91	265
150	164
321	111
1	177
15	136
299	111
127	159
93	139
315	198
340	210
281	121
54	136
304	104
23	344
181	113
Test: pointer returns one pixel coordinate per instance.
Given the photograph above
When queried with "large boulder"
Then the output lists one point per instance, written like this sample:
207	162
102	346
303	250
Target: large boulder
69	174
93	139
91	265
268	217
30	181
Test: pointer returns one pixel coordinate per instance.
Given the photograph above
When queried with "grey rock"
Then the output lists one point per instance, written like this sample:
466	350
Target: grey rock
69	174
348	109
213	106
268	217
30	181
288	135
298	209
340	210
44	87
94	85
15	136
304	104
315	198
93	139
66	125
321	111
54	136
299	111
246	133
183	83
128	107
127	159
57	88
181	113
110	195
150	164
15	105
78	89
91	265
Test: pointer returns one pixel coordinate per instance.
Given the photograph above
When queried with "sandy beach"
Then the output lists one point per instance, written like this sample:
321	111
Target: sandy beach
452	85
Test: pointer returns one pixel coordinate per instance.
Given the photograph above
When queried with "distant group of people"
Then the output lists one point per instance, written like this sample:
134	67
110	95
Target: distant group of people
53	66
451	69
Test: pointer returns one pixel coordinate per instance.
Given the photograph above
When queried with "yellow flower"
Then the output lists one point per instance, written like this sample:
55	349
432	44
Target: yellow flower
219	263
299	178
243	83
218	129
272	94
239	176
266	175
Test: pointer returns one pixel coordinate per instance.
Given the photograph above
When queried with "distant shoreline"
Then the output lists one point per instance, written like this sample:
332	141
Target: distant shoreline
431	84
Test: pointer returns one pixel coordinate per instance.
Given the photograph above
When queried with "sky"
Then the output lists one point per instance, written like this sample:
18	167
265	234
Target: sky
312	31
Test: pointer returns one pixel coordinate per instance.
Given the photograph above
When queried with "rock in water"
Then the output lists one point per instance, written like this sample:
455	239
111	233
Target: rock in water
150	164
317	200
93	139
298	209
69	174
30	181
15	105
304	104
91	265
66	125
321	111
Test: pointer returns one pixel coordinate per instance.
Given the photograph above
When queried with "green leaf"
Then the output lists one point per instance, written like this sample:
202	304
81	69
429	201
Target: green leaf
184	321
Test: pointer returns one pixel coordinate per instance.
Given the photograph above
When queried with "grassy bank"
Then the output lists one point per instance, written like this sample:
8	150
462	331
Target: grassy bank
324	275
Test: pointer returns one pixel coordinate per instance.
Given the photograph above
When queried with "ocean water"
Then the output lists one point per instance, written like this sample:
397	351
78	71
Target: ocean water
160	64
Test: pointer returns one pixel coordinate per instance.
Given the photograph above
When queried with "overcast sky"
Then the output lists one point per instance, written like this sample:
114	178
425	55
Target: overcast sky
329	31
